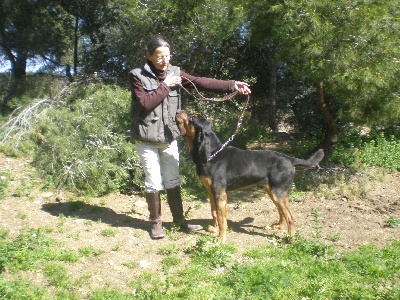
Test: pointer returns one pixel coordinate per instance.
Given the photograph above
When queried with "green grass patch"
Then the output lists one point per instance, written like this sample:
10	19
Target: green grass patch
4	179
210	253
56	272
29	250
393	221
22	289
306	271
303	269
109	232
89	251
300	269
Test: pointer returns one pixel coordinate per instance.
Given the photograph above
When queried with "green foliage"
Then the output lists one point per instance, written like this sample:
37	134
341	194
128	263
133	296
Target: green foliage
372	262
48	183
381	152
149	284
168	249
170	261
76	205
108	294
84	146
78	137
22	289
23	190
349	46
131	264
380	148
32	88
46	33
190	181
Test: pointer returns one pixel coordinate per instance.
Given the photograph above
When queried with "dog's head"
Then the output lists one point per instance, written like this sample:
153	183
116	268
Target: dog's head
197	131
186	129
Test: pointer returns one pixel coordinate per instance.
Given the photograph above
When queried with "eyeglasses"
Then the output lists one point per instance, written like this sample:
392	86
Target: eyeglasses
162	57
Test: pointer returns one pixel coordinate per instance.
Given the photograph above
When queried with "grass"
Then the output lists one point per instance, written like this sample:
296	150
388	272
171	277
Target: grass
89	251
109	232
4	179
29	249
393	221
299	269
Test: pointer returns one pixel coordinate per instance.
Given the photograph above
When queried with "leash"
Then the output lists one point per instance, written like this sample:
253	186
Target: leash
228	97
239	123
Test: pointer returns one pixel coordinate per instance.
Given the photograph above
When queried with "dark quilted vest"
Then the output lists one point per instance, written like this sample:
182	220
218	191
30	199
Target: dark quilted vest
157	125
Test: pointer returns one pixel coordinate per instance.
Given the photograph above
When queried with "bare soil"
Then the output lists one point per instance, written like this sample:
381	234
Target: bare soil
345	222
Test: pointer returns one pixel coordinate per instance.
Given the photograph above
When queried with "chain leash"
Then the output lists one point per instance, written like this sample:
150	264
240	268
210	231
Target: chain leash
228	97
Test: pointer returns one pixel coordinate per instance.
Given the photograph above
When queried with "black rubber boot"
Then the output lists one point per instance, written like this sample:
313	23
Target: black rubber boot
174	199
154	206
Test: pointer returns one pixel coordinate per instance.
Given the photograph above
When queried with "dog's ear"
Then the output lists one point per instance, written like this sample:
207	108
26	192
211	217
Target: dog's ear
203	145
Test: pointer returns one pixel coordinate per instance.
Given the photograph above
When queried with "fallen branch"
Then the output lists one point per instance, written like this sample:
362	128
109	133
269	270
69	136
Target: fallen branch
20	124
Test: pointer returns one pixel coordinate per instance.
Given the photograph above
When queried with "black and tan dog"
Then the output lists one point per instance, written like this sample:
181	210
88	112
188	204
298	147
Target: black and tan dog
234	168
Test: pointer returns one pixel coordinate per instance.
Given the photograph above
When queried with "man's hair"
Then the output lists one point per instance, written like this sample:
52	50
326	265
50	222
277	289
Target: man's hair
155	42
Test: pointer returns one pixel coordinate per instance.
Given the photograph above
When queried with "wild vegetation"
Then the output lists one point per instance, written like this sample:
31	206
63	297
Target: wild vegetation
323	74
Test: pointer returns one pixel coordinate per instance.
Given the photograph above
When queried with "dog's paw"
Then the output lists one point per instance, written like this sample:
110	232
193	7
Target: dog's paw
221	238
212	229
276	226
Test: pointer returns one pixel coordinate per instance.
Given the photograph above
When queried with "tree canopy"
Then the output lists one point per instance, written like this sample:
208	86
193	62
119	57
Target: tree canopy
347	51
350	46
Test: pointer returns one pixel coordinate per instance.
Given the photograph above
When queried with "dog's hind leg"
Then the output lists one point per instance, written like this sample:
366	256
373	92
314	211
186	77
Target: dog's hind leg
285	214
284	201
278	224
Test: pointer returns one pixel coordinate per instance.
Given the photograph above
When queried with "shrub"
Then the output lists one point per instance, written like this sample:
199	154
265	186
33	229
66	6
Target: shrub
84	145
381	148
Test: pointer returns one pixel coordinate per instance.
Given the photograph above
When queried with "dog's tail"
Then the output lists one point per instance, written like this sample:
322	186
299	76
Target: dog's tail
311	162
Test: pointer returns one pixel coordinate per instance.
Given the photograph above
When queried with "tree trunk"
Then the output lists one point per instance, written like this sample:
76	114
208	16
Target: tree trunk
272	97
18	70
331	134
68	72
76	45
198	53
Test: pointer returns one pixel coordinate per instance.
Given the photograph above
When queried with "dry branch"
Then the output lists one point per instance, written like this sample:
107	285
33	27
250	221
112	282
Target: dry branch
20	124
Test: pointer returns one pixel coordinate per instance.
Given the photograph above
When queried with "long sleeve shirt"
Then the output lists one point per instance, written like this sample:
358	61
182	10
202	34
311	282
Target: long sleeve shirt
149	101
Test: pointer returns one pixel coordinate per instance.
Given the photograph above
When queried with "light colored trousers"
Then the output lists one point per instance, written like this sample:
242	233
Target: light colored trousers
160	164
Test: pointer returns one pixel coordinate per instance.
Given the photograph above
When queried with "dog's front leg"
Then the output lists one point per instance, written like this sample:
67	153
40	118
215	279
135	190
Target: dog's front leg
214	227
207	183
220	202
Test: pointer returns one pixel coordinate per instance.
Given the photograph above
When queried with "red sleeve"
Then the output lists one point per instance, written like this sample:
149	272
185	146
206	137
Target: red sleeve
208	84
148	101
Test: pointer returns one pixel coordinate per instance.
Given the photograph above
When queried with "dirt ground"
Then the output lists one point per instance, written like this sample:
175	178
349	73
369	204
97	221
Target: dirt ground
345	223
